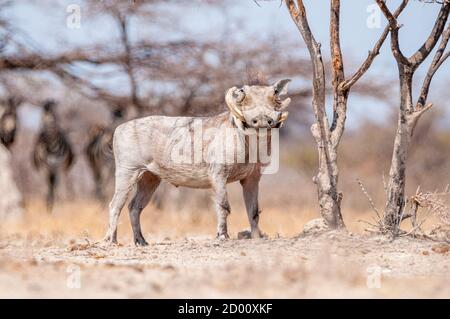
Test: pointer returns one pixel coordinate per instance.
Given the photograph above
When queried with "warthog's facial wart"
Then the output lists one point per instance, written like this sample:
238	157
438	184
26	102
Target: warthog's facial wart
259	106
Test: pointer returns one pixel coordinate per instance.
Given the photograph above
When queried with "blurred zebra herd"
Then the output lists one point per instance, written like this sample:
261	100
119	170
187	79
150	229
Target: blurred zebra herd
52	151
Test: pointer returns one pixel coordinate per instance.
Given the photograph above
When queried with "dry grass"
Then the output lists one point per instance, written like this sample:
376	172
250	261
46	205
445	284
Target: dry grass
88	219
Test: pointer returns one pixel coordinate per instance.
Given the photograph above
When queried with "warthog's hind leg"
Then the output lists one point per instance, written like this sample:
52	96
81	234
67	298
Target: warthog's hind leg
146	186
125	179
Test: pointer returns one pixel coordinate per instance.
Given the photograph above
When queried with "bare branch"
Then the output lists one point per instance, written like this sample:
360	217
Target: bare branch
342	86
298	15
438	60
122	20
394	27
369	198
336	53
38	62
373	53
95	92
337	67
417	58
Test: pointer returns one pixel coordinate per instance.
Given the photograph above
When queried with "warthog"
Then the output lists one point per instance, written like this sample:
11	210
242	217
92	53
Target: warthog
147	150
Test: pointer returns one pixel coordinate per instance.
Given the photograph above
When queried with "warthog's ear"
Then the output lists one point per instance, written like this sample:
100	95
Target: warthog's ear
281	87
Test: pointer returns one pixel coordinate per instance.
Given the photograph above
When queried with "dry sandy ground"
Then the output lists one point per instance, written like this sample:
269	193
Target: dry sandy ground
326	265
56	256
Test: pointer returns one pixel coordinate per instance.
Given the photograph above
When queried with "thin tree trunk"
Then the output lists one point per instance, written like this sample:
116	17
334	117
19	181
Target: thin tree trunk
397	175
328	194
410	112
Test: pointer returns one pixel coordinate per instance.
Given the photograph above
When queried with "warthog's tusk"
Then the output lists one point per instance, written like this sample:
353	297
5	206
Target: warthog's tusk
283	118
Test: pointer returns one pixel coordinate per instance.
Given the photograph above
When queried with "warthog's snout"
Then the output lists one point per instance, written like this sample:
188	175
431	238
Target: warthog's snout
264	121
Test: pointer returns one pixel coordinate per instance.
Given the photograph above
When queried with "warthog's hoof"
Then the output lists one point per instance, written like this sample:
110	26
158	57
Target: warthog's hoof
247	234
110	240
222	236
140	242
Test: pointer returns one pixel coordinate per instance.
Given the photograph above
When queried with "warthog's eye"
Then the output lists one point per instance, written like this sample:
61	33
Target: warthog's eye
239	95
277	100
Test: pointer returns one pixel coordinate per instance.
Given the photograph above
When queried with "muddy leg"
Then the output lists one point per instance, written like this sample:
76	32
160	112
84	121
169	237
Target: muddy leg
146	186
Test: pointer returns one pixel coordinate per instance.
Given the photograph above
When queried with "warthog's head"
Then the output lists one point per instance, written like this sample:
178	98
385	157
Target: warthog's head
258	106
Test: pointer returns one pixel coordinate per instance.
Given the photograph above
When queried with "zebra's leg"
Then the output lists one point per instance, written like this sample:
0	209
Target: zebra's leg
125	179
97	174
69	186
146	186
98	184
51	184
106	176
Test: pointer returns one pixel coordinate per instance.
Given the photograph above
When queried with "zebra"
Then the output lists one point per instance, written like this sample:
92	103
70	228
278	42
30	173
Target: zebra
99	152
52	150
8	121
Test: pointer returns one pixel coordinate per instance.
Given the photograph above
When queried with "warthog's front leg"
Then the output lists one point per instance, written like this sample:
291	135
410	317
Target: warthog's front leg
250	190
222	206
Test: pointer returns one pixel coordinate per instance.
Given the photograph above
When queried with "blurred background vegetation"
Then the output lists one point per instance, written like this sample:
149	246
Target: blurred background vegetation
178	58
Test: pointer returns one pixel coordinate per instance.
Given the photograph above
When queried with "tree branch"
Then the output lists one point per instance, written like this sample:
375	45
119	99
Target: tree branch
122	20
37	62
438	60
298	15
81	84
336	53
346	85
394	27
417	58
337	67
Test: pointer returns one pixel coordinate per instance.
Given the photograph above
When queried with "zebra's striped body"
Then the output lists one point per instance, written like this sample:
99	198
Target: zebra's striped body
8	122
52	151
99	153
